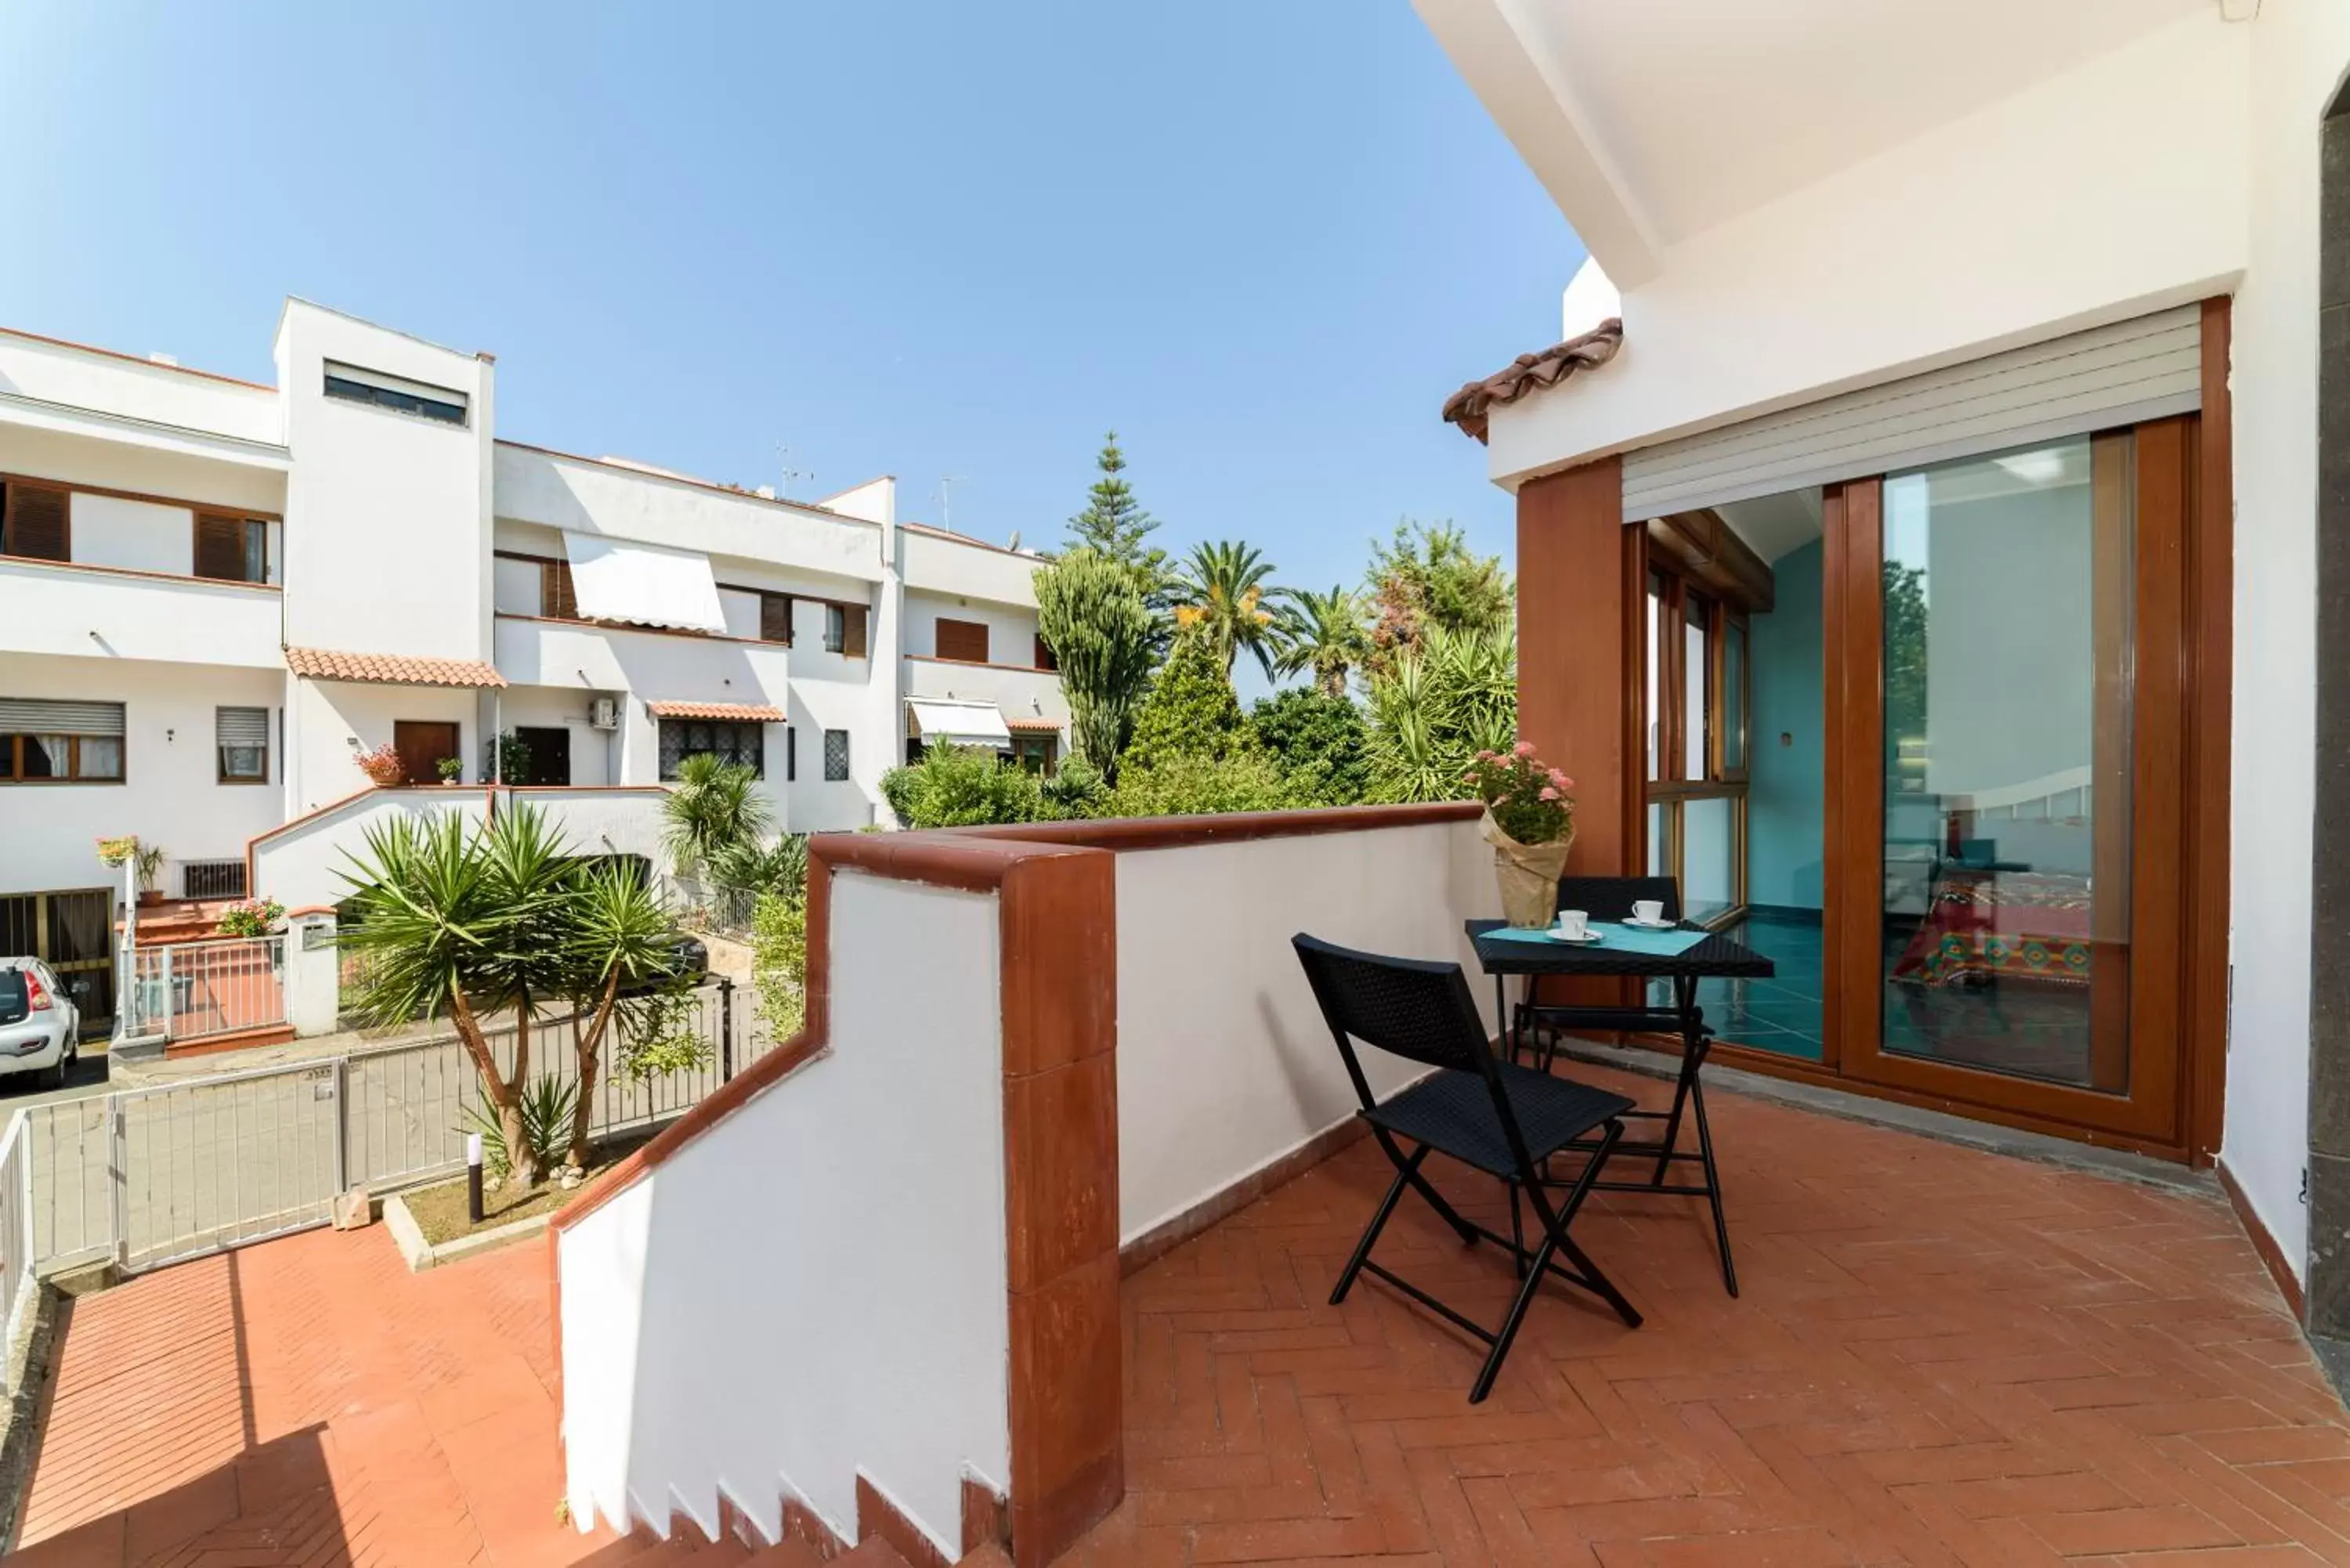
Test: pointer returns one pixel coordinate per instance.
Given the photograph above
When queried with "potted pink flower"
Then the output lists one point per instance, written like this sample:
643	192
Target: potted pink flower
1529	823
382	765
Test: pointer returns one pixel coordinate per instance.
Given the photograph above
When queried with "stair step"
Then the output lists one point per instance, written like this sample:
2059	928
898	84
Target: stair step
687	1546
790	1554
873	1553
988	1556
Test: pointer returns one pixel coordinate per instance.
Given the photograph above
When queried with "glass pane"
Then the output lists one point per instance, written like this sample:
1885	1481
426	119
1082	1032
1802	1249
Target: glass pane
1660	849
1654	710
49	756
2008	629
1697	665
1733	698
1708	844
101	757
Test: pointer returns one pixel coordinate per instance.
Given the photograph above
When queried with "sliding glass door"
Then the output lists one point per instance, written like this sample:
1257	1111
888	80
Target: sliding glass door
2006	777
1696	785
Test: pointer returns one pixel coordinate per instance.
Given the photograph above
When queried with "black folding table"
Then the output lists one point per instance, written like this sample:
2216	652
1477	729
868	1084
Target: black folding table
1716	956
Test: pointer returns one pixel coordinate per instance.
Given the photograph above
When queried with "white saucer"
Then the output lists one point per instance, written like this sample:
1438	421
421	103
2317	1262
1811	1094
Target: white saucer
1652	925
1590	934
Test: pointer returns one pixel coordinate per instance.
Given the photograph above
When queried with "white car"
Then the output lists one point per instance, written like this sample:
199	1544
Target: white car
40	1028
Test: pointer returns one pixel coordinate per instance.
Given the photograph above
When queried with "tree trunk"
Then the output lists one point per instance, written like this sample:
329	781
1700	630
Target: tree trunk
522	1160
505	1097
589	1045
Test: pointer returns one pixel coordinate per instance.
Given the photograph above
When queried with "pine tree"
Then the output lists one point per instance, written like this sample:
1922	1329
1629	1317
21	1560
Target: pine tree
1115	526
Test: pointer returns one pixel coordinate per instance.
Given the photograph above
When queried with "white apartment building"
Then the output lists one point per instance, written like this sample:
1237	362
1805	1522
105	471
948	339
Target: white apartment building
215	595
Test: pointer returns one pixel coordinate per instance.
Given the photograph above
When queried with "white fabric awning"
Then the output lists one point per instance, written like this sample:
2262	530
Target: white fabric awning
960	724
646	585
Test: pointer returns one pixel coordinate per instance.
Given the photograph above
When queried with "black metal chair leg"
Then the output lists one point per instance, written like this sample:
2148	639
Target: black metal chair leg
1406	1169
1419	1184
1556	1226
1502	1341
1713	1189
1517	1232
1673	1122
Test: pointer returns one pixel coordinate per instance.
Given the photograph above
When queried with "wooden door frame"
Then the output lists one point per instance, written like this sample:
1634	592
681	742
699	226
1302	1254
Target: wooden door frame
1593	495
2162	462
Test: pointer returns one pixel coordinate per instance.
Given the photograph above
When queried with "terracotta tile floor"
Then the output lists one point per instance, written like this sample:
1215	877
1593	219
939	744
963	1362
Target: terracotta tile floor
307	1401
1941	1357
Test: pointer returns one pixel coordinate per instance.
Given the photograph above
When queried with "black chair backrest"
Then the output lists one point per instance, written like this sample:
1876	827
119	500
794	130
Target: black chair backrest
1612	897
1415	1008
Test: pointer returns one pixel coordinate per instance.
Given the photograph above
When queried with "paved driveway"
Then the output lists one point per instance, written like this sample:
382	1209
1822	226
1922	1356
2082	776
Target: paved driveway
306	1400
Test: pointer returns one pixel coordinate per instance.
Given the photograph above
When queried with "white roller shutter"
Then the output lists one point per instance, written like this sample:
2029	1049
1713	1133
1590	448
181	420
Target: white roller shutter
2140	369
34	716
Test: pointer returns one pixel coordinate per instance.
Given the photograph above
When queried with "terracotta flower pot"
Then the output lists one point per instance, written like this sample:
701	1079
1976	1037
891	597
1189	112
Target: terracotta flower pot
1528	875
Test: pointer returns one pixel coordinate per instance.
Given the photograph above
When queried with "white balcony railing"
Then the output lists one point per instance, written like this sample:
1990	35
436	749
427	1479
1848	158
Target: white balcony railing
1017	690
81	611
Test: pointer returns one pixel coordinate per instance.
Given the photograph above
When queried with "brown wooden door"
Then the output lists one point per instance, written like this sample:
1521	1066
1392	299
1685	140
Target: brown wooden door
2005	657
421	743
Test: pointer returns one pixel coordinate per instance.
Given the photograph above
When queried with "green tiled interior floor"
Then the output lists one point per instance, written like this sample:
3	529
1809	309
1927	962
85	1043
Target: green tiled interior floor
1782	1013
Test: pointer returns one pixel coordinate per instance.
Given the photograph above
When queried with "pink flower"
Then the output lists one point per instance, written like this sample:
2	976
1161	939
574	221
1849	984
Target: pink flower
1567	783
1486	757
1559	780
1548	794
1523	749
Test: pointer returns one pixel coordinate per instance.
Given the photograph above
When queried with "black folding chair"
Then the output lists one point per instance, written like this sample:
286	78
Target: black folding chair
1494	1115
1610	898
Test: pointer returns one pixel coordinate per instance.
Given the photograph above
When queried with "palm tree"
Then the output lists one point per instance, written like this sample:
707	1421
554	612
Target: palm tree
620	937
715	806
1225	595
471	921
1324	633
1436	704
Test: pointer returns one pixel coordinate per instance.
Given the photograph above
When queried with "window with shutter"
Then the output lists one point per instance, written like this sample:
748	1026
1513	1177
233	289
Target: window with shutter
220	546
556	599
242	736
775	618
43	741
36	521
965	640
852	631
1045	659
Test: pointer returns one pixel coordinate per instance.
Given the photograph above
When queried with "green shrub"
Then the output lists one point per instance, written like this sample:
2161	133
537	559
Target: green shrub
546	1103
1076	789
1193	784
1190	710
955	786
779	963
1319	743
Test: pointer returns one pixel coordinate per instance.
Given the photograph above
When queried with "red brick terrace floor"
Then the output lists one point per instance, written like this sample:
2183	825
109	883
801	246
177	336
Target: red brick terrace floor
307	1401
1942	1357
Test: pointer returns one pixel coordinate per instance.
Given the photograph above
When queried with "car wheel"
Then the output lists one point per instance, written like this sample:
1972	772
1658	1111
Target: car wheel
53	1077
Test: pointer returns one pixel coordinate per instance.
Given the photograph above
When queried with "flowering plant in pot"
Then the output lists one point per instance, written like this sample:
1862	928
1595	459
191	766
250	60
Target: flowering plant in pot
1529	823
117	851
382	765
251	917
451	770
149	859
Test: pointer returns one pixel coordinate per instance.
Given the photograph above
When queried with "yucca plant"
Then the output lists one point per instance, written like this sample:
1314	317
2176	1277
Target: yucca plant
1434	706
713	806
546	1104
618	936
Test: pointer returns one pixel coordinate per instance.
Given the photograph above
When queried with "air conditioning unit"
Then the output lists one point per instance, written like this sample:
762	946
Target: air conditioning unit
603	714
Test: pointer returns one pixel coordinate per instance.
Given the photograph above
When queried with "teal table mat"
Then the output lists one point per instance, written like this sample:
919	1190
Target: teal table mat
1616	938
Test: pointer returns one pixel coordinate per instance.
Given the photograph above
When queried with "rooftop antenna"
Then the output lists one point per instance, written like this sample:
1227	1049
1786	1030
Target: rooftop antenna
783	456
946	514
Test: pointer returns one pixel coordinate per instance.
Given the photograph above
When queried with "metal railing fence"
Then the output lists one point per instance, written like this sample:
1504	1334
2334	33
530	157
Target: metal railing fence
147	1177
16	1235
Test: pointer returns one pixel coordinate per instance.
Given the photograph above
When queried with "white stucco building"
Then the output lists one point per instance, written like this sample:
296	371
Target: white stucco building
214	595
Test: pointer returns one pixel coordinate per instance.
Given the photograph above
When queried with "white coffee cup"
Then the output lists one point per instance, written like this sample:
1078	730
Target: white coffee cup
1573	924
1648	911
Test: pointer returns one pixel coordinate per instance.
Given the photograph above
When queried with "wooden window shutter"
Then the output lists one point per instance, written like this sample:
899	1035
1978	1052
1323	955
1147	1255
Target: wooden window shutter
556	599
775	618
963	639
1045	659
36	520
852	630
220	546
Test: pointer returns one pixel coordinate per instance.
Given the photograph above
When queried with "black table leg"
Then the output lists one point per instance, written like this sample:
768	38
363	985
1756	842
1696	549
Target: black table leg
1692	1090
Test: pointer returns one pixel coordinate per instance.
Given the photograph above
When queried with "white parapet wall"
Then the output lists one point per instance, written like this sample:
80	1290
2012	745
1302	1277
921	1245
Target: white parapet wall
813	1289
1225	1064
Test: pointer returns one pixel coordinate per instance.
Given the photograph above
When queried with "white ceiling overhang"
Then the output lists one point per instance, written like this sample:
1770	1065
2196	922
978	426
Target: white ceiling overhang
1649	124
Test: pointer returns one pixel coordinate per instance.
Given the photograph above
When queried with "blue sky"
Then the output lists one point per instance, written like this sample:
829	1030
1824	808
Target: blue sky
1262	238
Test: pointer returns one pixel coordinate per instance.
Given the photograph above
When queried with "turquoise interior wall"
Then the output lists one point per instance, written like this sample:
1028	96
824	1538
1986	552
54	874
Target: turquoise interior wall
1786	800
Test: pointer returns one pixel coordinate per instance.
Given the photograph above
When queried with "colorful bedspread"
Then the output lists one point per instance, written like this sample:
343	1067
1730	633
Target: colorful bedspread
2001	924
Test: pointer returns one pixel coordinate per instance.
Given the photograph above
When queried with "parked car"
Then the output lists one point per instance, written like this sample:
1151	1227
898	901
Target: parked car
40	1028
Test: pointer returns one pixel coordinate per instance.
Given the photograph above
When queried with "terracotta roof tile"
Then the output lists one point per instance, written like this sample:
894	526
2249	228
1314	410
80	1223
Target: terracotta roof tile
1033	726
389	668
740	712
1530	373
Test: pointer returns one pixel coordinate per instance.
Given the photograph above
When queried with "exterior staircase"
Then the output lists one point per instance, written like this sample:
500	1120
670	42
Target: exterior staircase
689	1549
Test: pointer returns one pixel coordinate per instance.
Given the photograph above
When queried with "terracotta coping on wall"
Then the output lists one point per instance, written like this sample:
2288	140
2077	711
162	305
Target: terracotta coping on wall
1033	726
971	664
1176	832
1530	373
746	713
